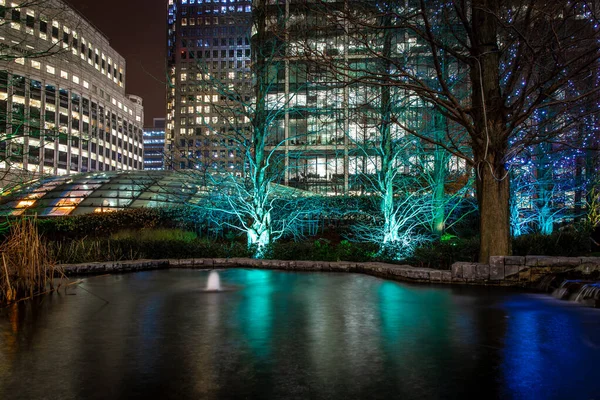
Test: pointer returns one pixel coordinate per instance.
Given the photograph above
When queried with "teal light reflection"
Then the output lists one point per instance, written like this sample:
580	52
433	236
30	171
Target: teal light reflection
256	311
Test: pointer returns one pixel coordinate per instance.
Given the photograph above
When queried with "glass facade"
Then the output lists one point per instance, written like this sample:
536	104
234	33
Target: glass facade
65	112
154	145
208	54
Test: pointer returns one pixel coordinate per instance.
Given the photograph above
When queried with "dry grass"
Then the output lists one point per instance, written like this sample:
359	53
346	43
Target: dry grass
27	268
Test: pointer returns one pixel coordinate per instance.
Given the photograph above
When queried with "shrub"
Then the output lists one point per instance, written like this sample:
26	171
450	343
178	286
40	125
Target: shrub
105	224
570	241
322	250
164	234
442	254
132	248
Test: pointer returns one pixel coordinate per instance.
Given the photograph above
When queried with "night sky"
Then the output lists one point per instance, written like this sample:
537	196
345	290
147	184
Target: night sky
137	30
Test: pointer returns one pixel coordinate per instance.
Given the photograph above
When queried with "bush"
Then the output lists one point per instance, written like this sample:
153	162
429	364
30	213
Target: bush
442	254
132	248
570	241
161	234
322	250
105	224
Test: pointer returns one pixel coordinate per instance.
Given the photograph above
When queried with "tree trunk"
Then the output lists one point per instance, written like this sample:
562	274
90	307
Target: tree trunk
440	172
259	234
493	194
490	141
390	225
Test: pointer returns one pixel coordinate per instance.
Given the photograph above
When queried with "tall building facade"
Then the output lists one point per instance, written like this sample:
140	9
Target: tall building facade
154	145
63	104
327	121
208	55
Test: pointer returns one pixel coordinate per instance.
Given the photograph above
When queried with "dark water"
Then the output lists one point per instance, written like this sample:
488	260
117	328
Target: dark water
295	336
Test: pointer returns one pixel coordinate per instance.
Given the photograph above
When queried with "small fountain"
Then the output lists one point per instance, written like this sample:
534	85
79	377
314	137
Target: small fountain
214	282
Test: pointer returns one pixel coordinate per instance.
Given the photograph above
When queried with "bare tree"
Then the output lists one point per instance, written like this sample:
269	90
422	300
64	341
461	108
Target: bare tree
487	66
243	127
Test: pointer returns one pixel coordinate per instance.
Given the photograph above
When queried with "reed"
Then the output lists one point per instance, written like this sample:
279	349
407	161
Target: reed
27	267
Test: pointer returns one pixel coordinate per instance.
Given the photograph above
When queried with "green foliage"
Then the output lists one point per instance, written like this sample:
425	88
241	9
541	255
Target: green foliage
442	254
132	248
570	241
164	234
105	224
322	250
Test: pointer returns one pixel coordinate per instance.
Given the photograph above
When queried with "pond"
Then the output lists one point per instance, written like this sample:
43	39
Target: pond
284	335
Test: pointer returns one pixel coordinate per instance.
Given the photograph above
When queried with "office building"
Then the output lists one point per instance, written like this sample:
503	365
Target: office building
208	55
154	145
62	89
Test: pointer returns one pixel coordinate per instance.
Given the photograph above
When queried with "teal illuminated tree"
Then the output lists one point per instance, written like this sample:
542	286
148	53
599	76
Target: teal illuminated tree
246	187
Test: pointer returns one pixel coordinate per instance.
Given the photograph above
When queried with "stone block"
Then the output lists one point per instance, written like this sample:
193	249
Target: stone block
341	266
482	272
435	276
514	260
497	261
511	272
591	261
423	275
589	267
457	270
558	262
497	272
446	276
186	262
533	260
198	262
415	274
525	275
469	271
208	262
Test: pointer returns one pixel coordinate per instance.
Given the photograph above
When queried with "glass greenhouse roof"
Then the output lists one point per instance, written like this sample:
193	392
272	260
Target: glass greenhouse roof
104	192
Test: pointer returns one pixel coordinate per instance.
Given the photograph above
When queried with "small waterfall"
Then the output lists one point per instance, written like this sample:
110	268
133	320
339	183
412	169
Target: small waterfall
214	282
587	292
568	287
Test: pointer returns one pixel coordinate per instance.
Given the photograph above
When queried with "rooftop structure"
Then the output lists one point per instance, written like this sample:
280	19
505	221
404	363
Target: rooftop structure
108	191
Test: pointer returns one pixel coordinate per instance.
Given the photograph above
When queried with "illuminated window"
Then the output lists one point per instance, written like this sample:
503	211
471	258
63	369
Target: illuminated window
64	74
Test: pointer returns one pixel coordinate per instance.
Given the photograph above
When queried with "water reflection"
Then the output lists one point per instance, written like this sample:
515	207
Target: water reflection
294	335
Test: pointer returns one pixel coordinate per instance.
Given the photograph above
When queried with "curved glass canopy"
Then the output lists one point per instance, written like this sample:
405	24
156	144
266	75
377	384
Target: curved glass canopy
102	192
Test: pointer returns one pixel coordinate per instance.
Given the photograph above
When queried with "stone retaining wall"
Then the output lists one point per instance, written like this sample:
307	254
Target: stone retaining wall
502	271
